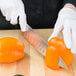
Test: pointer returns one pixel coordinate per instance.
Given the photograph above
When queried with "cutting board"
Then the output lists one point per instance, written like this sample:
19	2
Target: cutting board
33	63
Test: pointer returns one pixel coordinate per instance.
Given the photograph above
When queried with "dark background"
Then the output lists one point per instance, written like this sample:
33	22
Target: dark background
40	13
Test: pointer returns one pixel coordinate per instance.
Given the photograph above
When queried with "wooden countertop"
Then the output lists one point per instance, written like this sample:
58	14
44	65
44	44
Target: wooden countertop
33	63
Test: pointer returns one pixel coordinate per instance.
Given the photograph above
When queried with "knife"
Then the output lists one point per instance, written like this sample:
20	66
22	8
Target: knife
35	40
38	43
62	63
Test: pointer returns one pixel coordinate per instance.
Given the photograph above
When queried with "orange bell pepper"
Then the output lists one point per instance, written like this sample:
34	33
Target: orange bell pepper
11	50
55	49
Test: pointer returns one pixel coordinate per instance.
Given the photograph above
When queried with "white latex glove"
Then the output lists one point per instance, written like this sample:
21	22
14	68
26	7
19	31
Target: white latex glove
12	9
66	23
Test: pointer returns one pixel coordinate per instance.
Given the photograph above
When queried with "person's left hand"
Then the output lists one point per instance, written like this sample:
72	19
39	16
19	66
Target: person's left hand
66	23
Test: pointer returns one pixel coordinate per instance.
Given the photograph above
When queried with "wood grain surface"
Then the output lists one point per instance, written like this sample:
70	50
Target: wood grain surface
33	62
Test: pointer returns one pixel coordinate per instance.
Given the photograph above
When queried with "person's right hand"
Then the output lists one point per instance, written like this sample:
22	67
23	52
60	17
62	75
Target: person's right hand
66	23
12	9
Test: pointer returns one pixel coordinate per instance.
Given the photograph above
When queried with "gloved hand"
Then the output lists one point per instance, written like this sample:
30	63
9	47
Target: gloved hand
12	9
66	23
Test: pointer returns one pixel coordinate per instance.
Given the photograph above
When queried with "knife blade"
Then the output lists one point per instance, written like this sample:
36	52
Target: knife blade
62	63
38	43
35	40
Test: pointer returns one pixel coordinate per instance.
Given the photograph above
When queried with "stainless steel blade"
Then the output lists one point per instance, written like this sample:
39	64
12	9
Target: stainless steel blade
61	63
35	40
